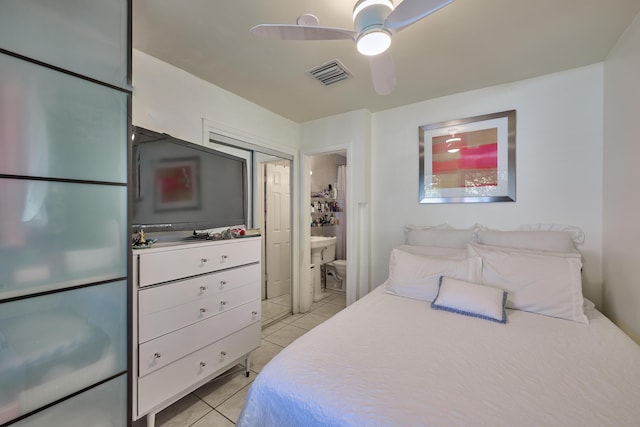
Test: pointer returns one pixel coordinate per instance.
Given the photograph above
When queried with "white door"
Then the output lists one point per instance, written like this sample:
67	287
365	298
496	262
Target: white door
278	227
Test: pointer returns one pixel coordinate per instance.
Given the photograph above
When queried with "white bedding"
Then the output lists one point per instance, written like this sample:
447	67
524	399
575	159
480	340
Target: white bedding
392	361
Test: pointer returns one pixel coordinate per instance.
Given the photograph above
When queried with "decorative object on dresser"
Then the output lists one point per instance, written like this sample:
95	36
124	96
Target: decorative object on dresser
196	314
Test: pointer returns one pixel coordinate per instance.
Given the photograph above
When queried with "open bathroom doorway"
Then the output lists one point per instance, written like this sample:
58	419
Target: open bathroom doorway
328	222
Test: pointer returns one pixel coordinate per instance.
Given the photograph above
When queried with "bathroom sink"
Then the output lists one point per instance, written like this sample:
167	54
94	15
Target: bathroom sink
318	242
323	249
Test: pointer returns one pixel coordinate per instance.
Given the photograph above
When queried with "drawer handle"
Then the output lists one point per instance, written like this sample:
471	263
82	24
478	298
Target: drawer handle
223	303
223	283
254	313
204	260
203	288
157	355
203	364
223	258
203	310
222	354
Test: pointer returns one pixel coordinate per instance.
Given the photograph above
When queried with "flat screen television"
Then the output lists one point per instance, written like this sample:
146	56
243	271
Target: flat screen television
179	186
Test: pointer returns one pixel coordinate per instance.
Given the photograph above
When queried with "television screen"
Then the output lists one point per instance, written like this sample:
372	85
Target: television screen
178	185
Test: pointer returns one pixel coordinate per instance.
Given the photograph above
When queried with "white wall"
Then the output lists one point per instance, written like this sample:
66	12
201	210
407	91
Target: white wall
325	171
621	180
168	99
558	167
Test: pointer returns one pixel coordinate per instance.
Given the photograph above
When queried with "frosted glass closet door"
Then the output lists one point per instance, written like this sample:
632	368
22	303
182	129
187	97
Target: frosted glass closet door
86	37
58	126
58	344
100	406
64	119
56	235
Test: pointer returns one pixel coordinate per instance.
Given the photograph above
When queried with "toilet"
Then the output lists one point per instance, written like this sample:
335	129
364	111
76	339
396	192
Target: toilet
336	275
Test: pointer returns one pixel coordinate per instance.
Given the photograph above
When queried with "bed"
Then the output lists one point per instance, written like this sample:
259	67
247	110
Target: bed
392	359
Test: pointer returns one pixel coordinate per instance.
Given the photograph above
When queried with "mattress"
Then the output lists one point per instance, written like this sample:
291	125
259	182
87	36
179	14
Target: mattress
392	361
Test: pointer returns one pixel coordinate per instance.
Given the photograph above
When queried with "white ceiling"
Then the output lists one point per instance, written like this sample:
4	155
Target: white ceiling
467	45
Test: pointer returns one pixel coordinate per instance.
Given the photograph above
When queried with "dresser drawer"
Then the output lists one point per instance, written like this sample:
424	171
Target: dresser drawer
155	324
161	351
197	288
196	368
166	265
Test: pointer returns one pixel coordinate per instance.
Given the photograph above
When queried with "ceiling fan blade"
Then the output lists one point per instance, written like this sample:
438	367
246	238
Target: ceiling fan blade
383	73
411	11
301	32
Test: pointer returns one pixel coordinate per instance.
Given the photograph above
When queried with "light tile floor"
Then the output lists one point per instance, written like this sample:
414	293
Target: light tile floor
275	308
219	402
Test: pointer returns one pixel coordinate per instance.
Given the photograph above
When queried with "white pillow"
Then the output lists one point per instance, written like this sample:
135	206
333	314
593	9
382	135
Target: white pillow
547	240
577	235
471	299
539	282
440	237
417	277
453	253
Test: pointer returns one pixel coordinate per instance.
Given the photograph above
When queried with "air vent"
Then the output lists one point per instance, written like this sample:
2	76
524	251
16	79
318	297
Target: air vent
330	73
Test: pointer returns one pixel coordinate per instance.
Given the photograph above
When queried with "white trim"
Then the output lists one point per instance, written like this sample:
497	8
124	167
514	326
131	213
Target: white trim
209	126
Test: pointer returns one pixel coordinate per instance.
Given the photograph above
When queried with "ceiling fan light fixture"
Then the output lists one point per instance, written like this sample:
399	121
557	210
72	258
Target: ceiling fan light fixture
373	42
364	4
374	23
368	19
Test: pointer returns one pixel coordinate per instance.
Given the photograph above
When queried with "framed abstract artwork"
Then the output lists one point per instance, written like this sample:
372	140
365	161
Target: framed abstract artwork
470	160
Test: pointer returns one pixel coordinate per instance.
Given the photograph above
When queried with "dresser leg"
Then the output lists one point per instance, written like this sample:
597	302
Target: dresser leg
247	365
151	419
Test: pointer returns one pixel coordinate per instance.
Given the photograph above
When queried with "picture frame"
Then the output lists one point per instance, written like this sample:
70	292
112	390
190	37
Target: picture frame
471	160
177	184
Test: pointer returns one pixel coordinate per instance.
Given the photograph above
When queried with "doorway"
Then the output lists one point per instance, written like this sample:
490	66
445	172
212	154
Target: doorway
328	193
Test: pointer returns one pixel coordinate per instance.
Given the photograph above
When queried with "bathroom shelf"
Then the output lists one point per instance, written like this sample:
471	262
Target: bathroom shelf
325	213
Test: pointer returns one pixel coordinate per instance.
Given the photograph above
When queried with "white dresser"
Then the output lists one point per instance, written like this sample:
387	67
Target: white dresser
196	313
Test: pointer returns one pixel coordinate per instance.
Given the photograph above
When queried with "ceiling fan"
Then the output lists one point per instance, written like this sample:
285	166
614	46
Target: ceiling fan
374	21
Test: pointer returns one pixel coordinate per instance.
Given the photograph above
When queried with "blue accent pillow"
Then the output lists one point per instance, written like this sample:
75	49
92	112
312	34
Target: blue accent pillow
471	299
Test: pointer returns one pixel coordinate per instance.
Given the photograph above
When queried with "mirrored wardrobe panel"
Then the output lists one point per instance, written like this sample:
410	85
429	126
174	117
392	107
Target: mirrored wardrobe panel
270	190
